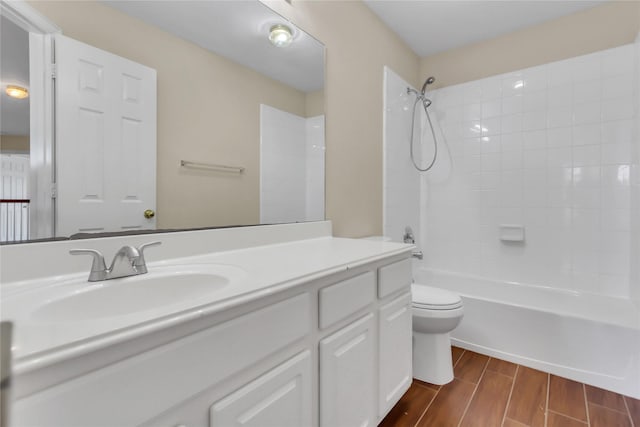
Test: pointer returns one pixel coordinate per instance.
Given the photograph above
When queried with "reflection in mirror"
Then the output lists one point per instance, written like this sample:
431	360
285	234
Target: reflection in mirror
224	96
14	132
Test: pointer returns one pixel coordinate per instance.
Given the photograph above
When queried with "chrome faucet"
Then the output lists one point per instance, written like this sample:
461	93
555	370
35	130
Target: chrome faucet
128	261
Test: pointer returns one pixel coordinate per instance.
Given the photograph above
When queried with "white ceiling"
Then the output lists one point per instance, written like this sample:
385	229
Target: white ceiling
432	26
14	70
237	30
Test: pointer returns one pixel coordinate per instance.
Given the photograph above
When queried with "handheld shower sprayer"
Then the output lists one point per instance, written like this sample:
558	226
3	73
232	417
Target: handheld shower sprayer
426	102
427	82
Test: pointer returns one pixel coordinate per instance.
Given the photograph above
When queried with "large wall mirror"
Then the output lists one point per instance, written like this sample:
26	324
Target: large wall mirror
237	122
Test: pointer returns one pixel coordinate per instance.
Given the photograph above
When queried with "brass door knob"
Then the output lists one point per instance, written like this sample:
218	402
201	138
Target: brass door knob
149	213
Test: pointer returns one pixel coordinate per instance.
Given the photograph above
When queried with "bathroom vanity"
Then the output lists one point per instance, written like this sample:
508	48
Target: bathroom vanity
299	329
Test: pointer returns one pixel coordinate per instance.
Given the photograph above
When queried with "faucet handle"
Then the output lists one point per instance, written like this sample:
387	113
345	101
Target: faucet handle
98	267
141	261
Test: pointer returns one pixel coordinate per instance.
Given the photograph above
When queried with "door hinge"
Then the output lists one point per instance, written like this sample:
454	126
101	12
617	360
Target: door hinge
54	71
54	191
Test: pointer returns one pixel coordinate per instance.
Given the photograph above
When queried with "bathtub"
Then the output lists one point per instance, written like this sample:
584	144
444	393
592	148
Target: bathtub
587	338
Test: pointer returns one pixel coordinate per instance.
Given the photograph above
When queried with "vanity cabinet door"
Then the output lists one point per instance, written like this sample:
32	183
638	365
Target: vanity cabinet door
279	398
394	346
347	376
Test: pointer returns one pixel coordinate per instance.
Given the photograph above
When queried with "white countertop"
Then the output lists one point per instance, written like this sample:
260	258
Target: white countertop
266	269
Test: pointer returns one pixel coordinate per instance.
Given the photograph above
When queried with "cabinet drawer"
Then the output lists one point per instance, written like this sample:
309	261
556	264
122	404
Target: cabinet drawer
170	374
280	397
393	277
344	298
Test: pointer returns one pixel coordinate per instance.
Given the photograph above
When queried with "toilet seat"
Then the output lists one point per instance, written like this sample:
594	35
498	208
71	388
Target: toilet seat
430	298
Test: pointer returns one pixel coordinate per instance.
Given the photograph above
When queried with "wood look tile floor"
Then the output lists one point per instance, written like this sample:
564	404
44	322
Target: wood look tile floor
488	392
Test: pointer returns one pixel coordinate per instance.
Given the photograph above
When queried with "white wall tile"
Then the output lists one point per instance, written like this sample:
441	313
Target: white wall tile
515	104
534	101
490	144
511	160
491	126
491	108
559	157
512	141
472	112
491	88
535	159
586	113
559	97
556	147
617	60
586	155
512	85
587	134
512	123
559	137
560	117
534	139
620	131
616	154
535	79
586	67
618	86
617	109
586	177
587	91
533	120
472	93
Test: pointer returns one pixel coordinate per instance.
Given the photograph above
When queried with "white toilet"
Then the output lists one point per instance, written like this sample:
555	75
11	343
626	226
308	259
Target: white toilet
436	312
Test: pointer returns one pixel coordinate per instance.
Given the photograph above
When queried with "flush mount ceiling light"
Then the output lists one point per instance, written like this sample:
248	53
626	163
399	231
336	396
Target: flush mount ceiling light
280	35
18	92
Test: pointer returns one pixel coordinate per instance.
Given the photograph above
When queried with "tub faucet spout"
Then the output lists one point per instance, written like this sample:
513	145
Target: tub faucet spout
408	235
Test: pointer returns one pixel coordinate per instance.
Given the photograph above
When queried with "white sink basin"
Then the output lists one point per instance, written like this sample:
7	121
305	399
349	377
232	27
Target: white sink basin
162	288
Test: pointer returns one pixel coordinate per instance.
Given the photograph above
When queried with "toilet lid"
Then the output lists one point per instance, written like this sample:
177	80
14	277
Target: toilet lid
434	298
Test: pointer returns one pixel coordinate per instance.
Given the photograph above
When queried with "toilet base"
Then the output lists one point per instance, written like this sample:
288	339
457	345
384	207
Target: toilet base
432	358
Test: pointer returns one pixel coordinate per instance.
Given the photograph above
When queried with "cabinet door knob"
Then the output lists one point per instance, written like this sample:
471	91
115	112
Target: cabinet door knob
149	213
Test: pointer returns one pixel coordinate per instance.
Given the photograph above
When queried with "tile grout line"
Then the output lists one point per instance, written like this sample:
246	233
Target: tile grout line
608	408
459	357
626	405
546	403
586	404
567	416
513	383
436	395
427	407
466	408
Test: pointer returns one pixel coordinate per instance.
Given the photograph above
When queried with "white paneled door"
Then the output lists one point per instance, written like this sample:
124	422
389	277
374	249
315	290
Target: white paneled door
105	140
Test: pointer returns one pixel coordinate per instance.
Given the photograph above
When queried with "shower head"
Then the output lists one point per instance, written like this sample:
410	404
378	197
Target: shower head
427	83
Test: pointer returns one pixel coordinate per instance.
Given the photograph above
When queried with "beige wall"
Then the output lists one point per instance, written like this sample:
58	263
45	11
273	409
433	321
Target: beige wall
314	103
611	24
358	46
14	144
208	111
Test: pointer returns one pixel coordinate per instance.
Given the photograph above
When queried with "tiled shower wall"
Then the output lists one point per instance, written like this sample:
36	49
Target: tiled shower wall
553	148
635	187
401	181
291	167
